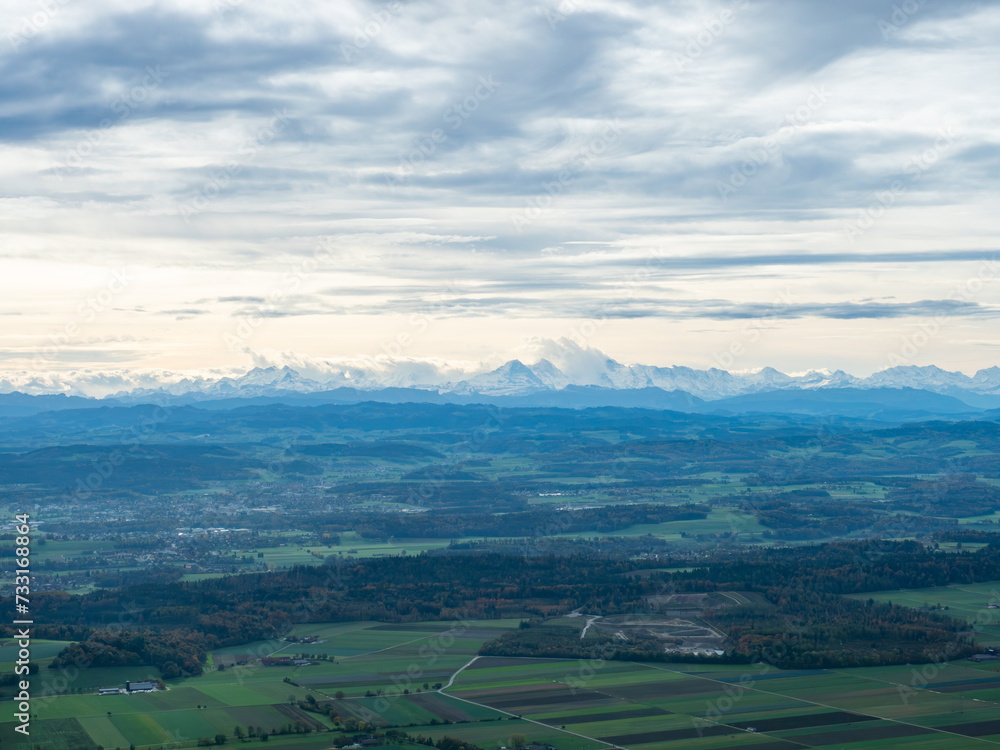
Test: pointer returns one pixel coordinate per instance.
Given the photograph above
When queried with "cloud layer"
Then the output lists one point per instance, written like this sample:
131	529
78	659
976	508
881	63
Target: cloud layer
338	178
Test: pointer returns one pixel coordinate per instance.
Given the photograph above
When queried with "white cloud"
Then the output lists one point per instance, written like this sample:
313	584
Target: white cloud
739	100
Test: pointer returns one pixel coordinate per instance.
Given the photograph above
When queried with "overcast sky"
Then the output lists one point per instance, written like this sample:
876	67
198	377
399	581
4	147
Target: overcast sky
796	183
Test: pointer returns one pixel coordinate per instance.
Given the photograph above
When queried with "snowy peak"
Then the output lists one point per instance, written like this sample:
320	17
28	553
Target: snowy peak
565	364
930	377
511	378
262	381
988	380
768	379
549	374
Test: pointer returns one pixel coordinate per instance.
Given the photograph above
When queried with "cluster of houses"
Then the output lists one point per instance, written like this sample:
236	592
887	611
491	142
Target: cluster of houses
198	531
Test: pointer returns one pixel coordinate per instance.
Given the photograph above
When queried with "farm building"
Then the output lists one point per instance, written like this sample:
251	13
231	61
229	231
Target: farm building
276	661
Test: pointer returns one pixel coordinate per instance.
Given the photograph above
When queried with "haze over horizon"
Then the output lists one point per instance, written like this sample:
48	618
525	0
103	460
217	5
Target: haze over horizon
708	184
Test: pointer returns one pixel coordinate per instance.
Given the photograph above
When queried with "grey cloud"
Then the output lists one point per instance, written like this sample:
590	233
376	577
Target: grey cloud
58	83
74	355
236	298
848	310
808	35
351	122
544	72
637	307
691	262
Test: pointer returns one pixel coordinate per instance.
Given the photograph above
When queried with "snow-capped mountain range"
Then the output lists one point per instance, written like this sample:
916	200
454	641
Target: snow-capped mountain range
574	367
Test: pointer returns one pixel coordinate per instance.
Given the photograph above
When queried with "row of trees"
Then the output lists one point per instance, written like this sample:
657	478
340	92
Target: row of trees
179	622
530	523
175	652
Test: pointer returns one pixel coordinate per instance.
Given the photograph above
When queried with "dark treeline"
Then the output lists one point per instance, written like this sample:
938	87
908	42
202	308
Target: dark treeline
531	523
808	514
122	578
966	534
806	588
174	652
245	607
845	568
608	547
807	622
802	587
814	514
957	496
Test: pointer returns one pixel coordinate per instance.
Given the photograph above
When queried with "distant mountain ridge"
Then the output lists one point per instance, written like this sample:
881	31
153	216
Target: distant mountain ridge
517	378
582	378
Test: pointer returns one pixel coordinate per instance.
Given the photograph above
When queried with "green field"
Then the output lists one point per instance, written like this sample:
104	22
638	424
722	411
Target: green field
719	521
570	704
687	706
360	658
968	601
